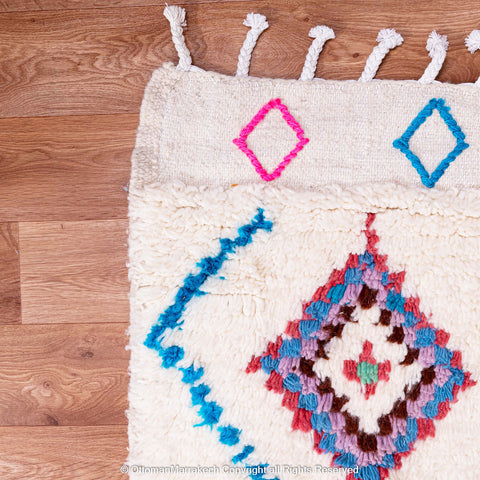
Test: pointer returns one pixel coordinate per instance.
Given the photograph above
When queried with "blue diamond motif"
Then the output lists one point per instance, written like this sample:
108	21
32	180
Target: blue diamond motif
429	180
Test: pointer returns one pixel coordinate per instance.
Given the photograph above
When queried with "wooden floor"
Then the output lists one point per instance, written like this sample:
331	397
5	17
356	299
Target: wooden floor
72	75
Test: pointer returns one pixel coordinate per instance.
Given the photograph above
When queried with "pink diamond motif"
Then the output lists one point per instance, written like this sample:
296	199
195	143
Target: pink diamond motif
241	141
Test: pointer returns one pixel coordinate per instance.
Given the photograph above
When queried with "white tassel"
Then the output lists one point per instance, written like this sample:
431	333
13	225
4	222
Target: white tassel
176	16
321	34
257	23
437	46
387	39
472	42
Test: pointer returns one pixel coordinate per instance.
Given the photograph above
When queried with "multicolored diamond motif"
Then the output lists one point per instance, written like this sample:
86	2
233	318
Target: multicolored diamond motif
295	365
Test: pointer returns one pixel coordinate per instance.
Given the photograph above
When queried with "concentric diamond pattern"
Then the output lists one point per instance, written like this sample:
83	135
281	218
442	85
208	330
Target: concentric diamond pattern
294	362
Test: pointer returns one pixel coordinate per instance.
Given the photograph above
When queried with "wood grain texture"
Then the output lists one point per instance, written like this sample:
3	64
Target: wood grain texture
63	453
74	272
78	61
73	62
63	374
35	5
65	168
9	274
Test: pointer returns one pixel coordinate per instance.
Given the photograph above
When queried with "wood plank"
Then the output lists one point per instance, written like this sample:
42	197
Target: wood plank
63	453
9	274
60	168
75	62
74	272
79	61
63	375
35	5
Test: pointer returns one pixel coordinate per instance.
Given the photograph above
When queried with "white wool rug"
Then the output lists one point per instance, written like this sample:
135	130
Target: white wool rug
304	263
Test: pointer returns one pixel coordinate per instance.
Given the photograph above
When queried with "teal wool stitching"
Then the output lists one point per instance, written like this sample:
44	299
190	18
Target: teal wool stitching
402	143
209	266
209	411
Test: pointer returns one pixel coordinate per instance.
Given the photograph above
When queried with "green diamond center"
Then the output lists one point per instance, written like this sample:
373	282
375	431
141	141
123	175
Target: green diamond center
367	372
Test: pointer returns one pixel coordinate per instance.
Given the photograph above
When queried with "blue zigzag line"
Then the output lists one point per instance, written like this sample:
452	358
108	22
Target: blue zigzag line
170	319
402	143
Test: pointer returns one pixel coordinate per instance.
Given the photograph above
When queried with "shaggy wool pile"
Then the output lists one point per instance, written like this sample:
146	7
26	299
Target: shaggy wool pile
304	264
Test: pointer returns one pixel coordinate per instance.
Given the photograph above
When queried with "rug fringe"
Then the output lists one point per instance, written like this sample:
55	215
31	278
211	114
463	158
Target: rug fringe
257	23
387	39
437	46
176	16
320	34
472	42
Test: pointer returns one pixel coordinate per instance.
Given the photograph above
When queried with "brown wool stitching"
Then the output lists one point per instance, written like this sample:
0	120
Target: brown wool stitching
351	424
410	357
338	403
334	330
400	409
428	375
367	297
385	317
397	335
306	367
414	392
346	313
320	353
325	386
367	442
385	425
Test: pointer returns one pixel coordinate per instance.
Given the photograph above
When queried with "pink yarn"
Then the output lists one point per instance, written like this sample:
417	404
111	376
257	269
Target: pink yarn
241	141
